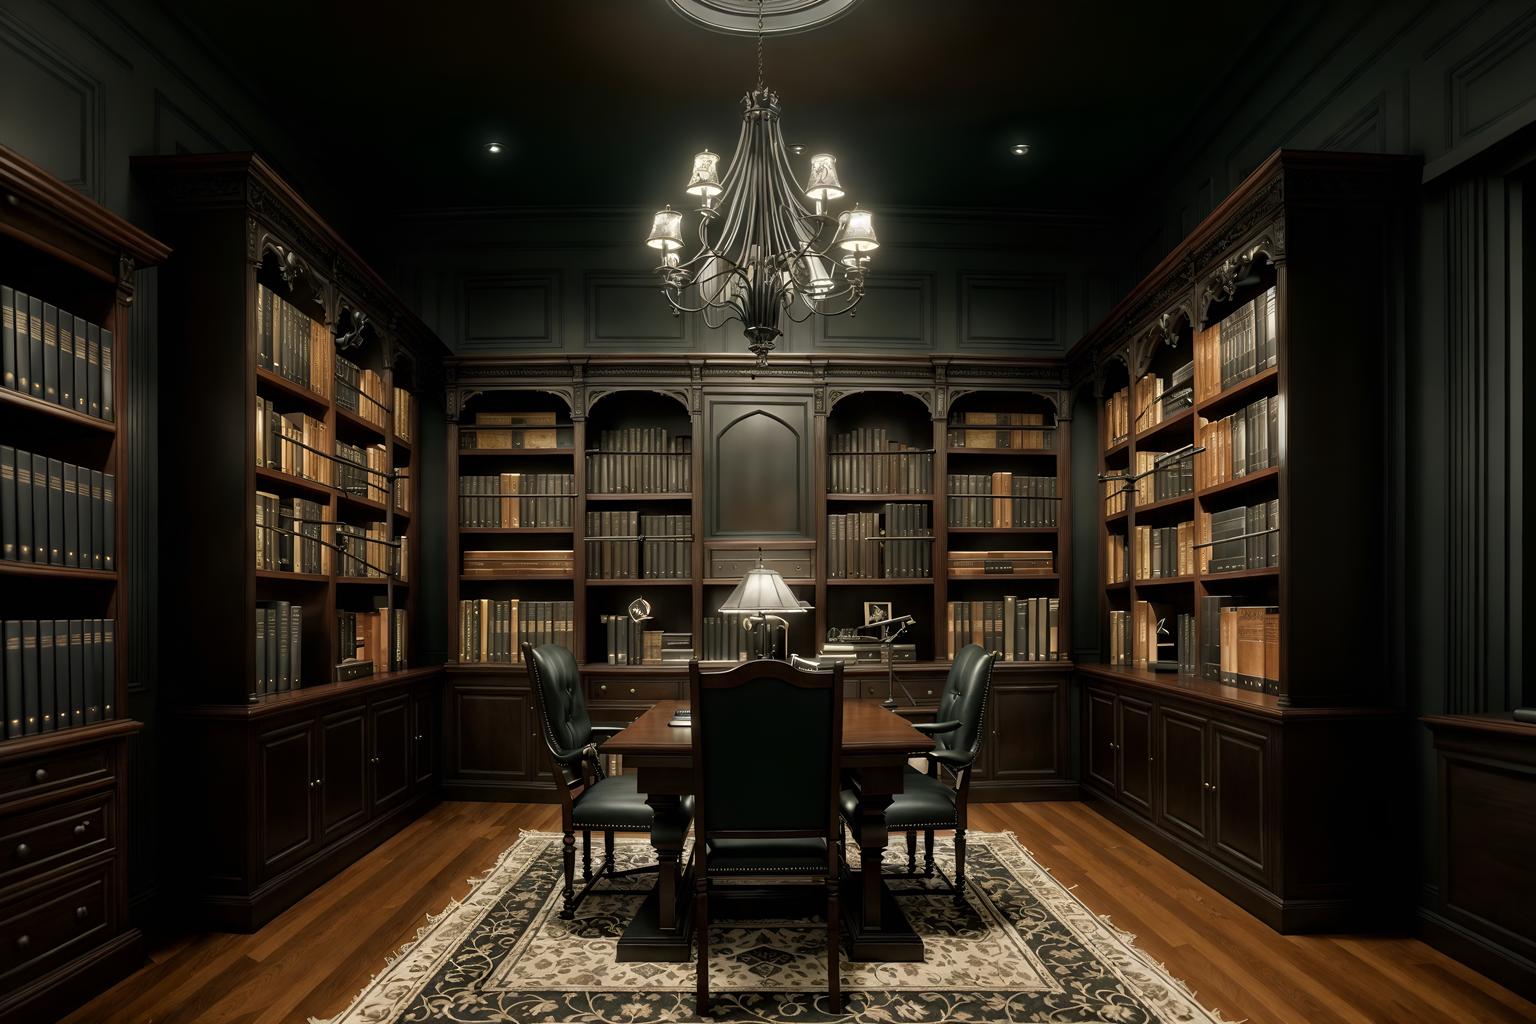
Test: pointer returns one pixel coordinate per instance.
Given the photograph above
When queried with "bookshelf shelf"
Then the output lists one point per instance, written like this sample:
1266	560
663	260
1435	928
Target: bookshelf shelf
1179	423
281	387
1215	579
1030	452
515	453
514	531
1242	483
364	505
641	584
1022	531
1165	581
28	570
369	581
1005	577
278	576
372	432
13	403
877	499
921	581
663	496
1121	447
1240	393
516	577
1181	502
287	482
1117	517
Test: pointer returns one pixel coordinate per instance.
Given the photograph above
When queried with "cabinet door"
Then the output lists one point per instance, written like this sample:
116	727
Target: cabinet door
286	777
1240	801
389	724
1025	739
1181	752
489	735
343	769
1101	739
1135	750
424	735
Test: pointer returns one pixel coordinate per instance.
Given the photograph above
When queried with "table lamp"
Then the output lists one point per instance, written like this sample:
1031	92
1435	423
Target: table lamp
763	595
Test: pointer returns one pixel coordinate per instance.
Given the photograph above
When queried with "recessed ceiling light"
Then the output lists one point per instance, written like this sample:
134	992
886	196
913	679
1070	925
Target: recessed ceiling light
1019	149
493	147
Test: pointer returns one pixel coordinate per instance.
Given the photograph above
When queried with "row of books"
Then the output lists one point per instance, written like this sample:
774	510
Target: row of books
293	345
1244	343
401	485
361	392
640	460
1002	500
294	443
57	674
1117	417
1240	644
867	461
53	355
855	653
553	564
365	637
510	431
1157	399
1150	632
978	429
362	470
56	513
1164	552
1002	563
629	643
1163	475
1116	558
367	551
1242	443
512	501
404	414
894	543
1115	496
279	647
494	631
1019	628
290	535
1241	538
624	545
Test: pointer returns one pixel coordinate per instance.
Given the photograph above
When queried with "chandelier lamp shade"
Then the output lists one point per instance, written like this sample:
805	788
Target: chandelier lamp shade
767	247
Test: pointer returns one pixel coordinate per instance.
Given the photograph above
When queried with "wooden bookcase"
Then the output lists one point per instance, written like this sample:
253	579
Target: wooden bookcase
759	474
331	766
1269	792
64	790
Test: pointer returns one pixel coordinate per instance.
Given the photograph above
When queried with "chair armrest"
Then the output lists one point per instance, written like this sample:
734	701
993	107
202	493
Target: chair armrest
575	755
935	728
949	758
607	731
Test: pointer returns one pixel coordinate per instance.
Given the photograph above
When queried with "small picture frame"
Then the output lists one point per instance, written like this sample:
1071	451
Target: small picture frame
876	611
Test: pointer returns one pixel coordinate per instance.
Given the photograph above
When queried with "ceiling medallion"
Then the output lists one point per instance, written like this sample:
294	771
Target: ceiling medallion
763	253
780	17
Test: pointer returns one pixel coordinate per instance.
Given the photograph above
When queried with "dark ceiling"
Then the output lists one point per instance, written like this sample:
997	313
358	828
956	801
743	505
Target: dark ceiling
604	102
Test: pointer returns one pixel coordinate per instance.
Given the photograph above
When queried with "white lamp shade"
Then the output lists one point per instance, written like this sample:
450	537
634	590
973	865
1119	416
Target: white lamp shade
706	178
666	230
823	183
762	591
813	276
856	231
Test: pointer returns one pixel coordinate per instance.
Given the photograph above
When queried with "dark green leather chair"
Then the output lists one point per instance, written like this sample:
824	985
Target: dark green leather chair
767	742
936	800
590	799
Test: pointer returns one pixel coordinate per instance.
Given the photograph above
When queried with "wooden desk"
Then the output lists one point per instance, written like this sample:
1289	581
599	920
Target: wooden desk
876	745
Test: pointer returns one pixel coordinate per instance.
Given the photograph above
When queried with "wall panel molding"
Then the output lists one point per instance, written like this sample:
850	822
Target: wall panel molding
510	312
68	144
626	311
1011	313
1491	81
897	312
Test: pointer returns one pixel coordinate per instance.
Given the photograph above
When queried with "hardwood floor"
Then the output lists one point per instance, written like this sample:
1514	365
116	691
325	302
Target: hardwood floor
313	959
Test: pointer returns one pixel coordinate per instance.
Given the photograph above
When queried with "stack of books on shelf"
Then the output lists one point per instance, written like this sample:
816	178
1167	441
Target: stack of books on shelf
511	431
56	513
1165	552
866	461
363	471
56	674
1018	628
364	551
629	643
1002	500
1115	501
1240	644
723	639
1244	343
403	414
1241	538
360	392
1002	563
517	501
290	535
291	344
640	460
401	485
363	642
51	355
1024	430
1242	443
1116	560
553	564
894	543
1163	475
279	647
294	443
1152	633
494	631
613	545
863	652
667	546
1117	417
1158	399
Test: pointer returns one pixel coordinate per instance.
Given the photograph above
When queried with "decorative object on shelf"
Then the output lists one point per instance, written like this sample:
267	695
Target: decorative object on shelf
772	256
890	628
763	595
640	610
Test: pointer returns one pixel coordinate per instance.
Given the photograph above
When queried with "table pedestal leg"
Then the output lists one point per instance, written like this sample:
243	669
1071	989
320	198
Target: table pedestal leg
877	928
662	929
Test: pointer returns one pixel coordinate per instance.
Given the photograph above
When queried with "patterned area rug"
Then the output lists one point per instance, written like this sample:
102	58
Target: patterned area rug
1025	950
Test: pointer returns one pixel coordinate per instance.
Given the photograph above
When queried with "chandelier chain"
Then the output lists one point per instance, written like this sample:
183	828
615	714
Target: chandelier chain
759	44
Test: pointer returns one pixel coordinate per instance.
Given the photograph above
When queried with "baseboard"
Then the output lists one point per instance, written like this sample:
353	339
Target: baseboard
51	996
1478	952
1023	792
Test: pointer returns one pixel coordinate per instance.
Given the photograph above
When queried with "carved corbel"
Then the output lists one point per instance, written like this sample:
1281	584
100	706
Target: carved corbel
125	269
349	335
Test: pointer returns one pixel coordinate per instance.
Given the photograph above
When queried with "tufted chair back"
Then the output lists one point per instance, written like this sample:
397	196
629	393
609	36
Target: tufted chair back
964	699
557	698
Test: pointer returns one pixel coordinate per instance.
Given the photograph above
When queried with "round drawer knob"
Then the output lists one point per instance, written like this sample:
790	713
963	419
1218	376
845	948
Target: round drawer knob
23	851
81	913
23	941
602	688
631	691
41	775
930	693
80	828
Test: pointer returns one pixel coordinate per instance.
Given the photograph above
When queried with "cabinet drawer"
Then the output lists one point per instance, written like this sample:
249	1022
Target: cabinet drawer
611	689
54	925
49	837
54	771
794	563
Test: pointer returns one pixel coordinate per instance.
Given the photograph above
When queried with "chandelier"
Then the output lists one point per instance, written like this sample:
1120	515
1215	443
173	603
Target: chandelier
768	247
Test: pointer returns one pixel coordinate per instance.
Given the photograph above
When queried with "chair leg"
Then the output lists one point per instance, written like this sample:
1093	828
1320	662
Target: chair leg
586	856
960	866
608	850
834	980
911	852
701	933
928	853
568	894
